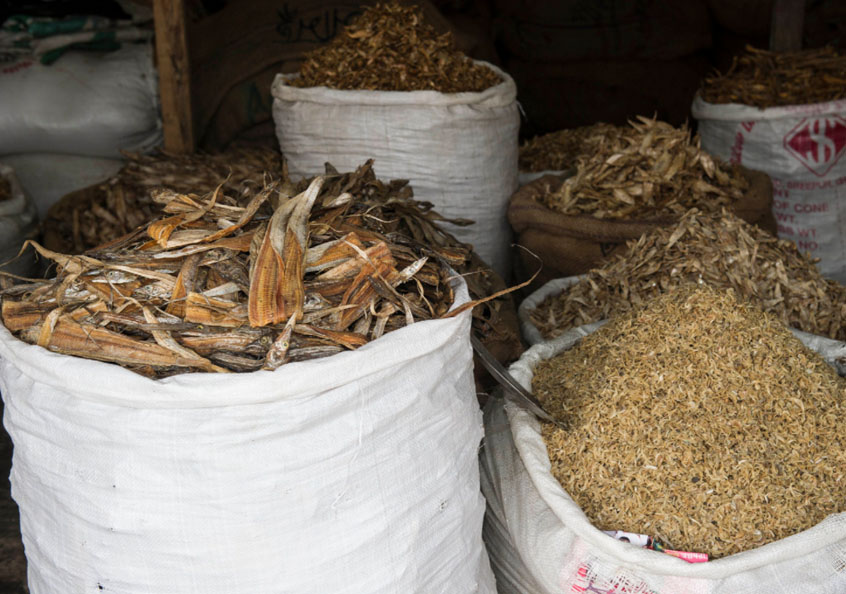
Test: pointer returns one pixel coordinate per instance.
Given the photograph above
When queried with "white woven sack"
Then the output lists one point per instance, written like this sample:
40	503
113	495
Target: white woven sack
18	222
530	332
801	147
458	150
86	103
47	177
351	474
540	541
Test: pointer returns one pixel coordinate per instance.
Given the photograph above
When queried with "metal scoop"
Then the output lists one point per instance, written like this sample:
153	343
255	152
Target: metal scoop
513	390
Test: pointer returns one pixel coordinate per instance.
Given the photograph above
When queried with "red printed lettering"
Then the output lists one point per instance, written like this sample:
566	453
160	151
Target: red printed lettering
780	204
737	149
787	218
806	208
807	246
785	230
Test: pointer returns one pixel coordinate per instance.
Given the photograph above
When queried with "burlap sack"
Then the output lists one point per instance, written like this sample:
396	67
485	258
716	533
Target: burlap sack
569	245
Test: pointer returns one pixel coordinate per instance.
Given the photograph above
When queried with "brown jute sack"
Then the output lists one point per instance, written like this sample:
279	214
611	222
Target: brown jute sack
569	245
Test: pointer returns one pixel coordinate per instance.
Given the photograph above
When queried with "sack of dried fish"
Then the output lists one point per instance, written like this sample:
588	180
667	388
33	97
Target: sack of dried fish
719	250
458	149
785	114
105	212
18	222
321	462
699	420
617	195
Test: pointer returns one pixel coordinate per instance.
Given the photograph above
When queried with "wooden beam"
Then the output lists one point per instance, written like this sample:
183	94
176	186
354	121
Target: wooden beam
786	27
174	75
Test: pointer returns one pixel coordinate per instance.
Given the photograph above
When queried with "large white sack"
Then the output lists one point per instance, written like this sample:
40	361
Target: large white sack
801	148
540	541
46	177
353	474
18	222
458	150
86	103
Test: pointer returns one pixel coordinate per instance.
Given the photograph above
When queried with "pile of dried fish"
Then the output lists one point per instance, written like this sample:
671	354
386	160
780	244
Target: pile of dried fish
721	251
699	419
5	189
278	273
87	218
650	169
390	48
558	151
769	79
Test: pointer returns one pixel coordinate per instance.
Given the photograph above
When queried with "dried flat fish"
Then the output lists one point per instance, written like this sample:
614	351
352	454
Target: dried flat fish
769	79
700	419
389	47
719	250
644	170
235	281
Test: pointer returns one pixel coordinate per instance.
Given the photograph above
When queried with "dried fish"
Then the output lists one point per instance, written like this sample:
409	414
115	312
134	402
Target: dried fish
558	151
719	250
646	169
390	48
769	79
700	418
291	272
88	218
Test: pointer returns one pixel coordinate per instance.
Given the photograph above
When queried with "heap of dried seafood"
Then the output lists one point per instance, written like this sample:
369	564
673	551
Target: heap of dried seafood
718	250
769	79
698	419
390	48
278	273
558	151
650	169
5	189
84	219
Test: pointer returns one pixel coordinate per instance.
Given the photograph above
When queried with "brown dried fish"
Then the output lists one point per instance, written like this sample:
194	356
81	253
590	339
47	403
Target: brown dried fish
390	48
558	151
719	250
647	169
769	79
99	214
230	283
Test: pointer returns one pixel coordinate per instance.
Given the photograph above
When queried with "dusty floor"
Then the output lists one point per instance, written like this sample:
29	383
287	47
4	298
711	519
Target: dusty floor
12	561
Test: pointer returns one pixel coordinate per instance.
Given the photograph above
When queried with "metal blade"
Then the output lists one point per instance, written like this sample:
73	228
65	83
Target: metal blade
513	390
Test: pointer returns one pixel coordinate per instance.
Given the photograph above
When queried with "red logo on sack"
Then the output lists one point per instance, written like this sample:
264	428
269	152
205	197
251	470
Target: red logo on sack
748	125
587	582
817	143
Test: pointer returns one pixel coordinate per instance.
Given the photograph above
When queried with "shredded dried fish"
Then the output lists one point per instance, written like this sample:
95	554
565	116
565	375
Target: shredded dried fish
700	419
769	79
719	250
390	48
647	169
558	151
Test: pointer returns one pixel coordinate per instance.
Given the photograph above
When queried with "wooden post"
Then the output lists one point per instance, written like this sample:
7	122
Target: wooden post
786	26
174	75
